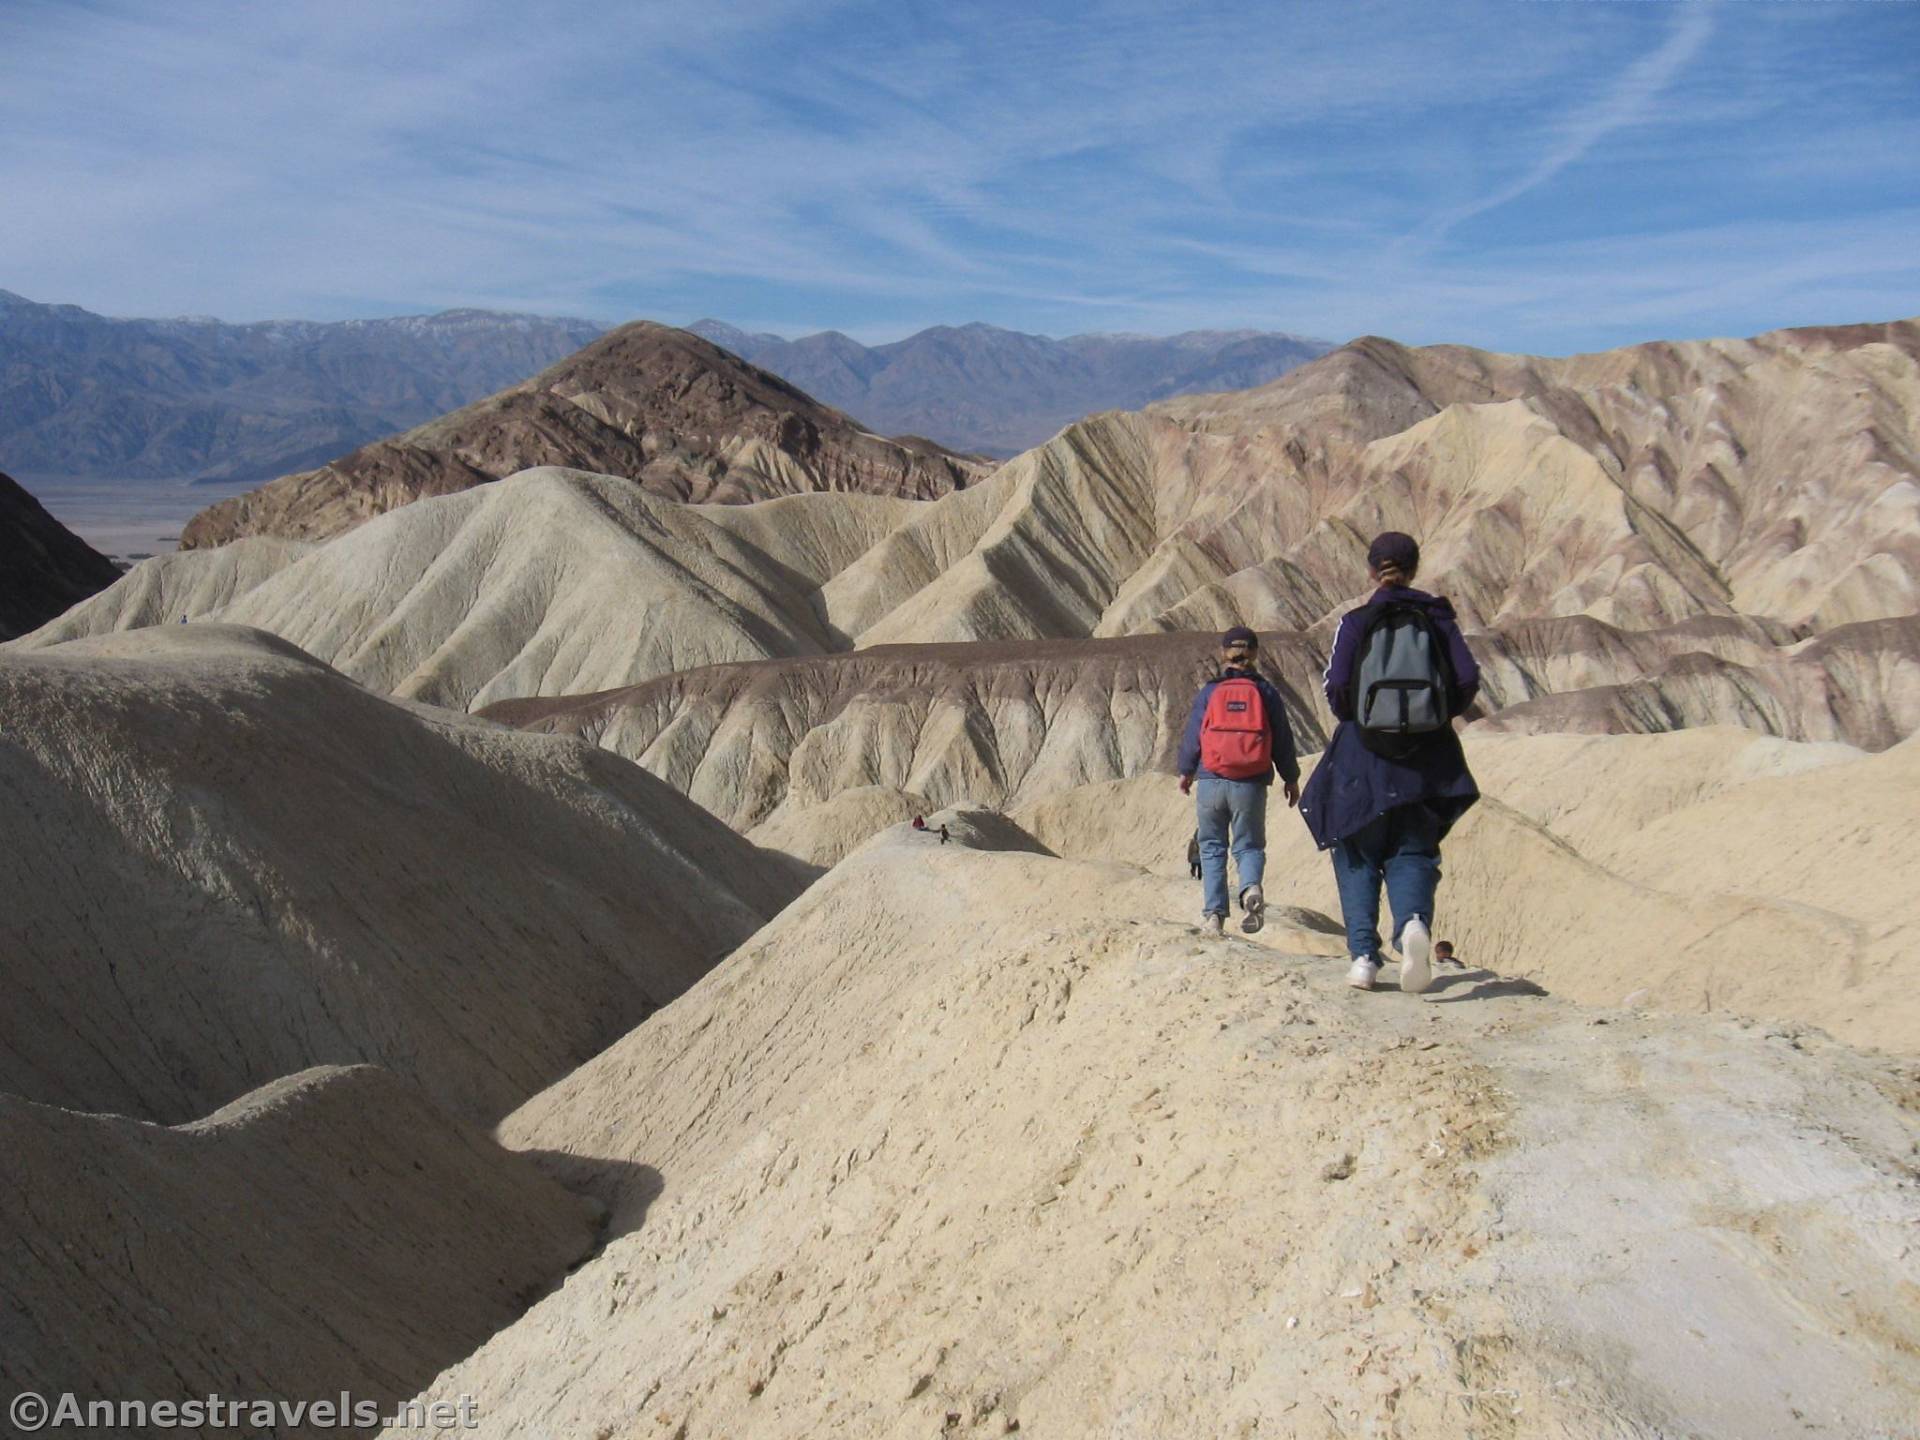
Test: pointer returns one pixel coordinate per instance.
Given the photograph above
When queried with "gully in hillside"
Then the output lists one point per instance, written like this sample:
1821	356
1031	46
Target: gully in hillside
1393	779
1237	739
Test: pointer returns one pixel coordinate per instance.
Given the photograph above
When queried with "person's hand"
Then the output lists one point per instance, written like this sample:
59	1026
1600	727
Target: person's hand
1186	784
1293	792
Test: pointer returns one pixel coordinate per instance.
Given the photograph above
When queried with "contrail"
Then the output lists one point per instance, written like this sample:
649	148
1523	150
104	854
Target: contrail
1626	103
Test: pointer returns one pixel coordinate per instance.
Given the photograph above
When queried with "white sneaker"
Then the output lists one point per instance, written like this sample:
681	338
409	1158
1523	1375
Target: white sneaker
1214	924
1415	946
1253	900
1364	968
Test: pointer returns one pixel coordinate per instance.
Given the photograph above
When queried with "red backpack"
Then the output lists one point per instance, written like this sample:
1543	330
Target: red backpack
1236	742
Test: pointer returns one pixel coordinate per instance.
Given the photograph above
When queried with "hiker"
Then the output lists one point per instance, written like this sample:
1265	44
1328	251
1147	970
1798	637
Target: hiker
919	822
1393	779
1236	740
1193	854
1443	953
943	834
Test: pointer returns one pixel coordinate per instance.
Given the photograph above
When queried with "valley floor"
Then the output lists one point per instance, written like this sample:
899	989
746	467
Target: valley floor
128	520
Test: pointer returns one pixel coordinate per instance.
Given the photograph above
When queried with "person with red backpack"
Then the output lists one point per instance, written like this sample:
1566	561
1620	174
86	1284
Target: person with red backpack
1393	779
1237	739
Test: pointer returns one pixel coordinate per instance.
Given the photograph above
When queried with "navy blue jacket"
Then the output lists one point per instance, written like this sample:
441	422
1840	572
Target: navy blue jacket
1352	786
1285	761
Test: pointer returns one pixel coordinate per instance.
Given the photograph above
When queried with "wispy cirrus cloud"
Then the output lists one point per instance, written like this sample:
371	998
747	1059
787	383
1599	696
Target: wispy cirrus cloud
878	167
1627	100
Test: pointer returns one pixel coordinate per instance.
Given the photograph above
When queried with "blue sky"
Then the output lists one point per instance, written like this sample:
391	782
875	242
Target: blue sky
1542	175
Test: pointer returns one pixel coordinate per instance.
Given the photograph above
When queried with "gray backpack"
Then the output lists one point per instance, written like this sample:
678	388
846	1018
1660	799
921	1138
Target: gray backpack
1402	681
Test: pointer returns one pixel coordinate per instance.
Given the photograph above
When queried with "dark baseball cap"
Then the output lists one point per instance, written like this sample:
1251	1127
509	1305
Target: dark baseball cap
1390	547
1239	635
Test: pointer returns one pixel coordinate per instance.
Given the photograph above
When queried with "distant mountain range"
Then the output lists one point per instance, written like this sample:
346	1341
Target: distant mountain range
85	396
997	392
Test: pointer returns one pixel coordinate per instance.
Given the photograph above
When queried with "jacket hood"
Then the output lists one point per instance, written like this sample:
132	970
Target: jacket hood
1439	606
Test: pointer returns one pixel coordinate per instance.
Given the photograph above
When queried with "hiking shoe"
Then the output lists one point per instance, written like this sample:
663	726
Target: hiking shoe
1253	900
1415	946
1364	968
1214	924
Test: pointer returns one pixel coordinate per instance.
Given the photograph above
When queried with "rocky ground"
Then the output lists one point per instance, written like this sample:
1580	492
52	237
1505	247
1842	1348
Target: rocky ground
975	1141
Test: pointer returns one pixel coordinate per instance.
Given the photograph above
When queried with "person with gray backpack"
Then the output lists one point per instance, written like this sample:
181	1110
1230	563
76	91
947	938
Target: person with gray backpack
1393	780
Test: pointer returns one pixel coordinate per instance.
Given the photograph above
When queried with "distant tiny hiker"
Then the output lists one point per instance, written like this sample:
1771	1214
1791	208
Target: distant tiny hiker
1193	854
943	834
1393	779
1237	739
919	822
1443	952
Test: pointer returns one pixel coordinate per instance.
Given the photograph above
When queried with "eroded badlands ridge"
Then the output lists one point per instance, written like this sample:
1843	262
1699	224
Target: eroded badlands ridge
968	1140
230	863
331	1231
1010	724
1771	477
1775	484
668	409
1710	870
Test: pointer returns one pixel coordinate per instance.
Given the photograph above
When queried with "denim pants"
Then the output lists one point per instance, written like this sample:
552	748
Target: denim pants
1220	805
1401	847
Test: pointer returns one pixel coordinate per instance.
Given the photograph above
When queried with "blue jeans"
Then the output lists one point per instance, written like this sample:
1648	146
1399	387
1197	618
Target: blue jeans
1403	848
1242	806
